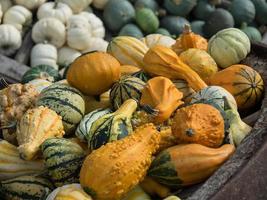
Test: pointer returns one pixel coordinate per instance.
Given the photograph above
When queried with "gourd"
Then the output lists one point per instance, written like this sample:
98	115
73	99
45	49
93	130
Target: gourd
200	124
229	47
96	44
162	61
57	10
18	16
141	75
183	87
180	8
126	88
66	56
30	137
197	27
30	4
147	20
253	33
94	73
66	101
261	11
95	102
153	188
203	9
5	4
117	13
112	127
10	40
243	82
218	20
117	162
128	70
13	166
167	139
158	39
200	61
137	193
162	95
174	24
242	11
172	198
63	160
86	123
44	54
100	4
131	30
163	31
128	50
26	188
188	40
77	6
188	164
151	4
40	84
45	72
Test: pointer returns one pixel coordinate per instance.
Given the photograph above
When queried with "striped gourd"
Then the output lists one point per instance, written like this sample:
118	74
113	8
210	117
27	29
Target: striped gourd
127	87
128	50
187	91
26	188
85	125
141	75
40	84
63	160
65	100
12	165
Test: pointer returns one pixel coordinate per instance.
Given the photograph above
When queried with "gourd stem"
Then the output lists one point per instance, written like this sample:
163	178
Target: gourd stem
56	4
127	108
187	29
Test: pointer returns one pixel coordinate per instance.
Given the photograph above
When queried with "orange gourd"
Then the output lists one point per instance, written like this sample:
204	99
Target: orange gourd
129	69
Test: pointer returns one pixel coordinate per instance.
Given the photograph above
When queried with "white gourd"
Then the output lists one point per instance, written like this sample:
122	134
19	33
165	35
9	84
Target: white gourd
97	44
100	4
44	54
10	39
77	5
49	30
57	10
30	4
40	84
66	56
88	9
158	39
18	16
5	4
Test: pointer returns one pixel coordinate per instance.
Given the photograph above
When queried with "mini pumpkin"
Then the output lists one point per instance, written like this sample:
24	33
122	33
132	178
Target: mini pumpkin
66	56
30	4
77	6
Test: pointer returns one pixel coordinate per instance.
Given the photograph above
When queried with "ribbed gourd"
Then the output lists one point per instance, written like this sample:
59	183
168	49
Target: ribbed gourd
113	126
40	84
158	39
141	75
127	87
123	163
65	100
183	87
63	160
35	126
12	165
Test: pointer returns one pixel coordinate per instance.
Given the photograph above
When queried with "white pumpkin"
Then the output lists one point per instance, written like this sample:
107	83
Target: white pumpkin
30	4
158	39
100	4
44	54
18	16
49	30
66	56
97	26
40	84
77	5
5	4
10	39
97	44
88	9
57	10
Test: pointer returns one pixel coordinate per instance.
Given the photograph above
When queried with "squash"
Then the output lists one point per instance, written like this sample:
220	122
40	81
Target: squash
162	95
57	10
125	162
30	137
203	9
6	4
26	188
180	8
147	20
66	101
127	87
243	82
96	44
242	11
154	188
44	54
218	20
183	87
111	127
151	4
95	102
172	198
63	160
197	27
131	30
117	13
40	84
141	75
229	47
45	72
94	73
137	193
158	39
200	61
77	6
13	166
163	31
174	24
128	70
49	30
188	164
162	61
100	4
253	33
200	124
167	139
189	40
128	50
30	4
66	56
261	11
10	39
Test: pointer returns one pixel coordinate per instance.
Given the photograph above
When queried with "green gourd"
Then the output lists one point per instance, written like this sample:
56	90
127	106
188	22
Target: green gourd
179	8
197	27
174	24
261	11
131	30
163	31
141	75
147	20
151	4
253	33
203	9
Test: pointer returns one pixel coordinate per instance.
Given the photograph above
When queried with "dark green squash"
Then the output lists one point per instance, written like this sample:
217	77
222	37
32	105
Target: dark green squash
147	20
174	24
163	31
197	27
261	11
253	33
179	8
141	75
151	4
203	10
131	30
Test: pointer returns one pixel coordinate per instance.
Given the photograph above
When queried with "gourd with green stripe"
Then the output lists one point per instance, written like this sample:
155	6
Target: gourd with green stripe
127	87
26	188
66	101
112	127
63	160
187	91
86	123
141	75
45	72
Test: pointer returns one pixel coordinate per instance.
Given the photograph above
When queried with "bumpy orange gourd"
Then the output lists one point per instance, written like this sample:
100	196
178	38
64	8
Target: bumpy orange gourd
243	82
111	171
188	40
199	123
94	73
162	61
162	95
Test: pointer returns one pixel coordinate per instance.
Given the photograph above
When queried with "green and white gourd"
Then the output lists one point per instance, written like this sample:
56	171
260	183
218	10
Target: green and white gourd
187	91
141	75
40	84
